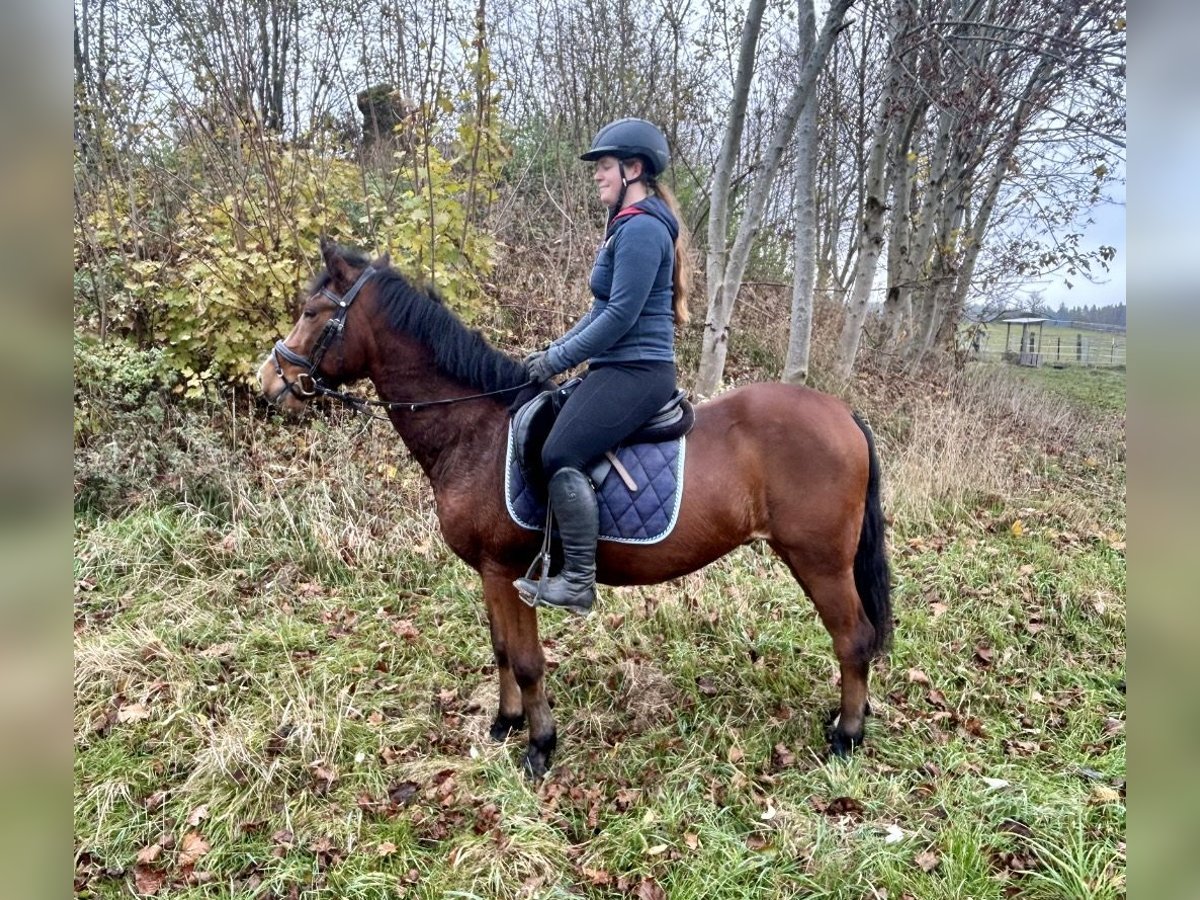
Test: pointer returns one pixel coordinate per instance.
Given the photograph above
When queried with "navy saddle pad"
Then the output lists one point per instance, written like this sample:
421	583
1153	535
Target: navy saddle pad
644	516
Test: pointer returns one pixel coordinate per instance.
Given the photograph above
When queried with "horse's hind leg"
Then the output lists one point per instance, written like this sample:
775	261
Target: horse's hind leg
842	613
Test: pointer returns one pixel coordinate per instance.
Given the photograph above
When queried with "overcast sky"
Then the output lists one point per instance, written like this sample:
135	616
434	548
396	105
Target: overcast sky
1108	228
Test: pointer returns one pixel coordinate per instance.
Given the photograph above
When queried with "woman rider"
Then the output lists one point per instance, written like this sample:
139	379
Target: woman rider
639	282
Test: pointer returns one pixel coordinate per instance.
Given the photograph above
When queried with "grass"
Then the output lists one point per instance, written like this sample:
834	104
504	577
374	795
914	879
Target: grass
283	686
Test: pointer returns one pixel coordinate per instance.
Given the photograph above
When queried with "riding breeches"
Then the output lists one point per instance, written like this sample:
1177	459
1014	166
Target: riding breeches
612	403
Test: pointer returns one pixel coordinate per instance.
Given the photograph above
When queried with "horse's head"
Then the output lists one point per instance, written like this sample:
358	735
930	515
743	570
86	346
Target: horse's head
324	348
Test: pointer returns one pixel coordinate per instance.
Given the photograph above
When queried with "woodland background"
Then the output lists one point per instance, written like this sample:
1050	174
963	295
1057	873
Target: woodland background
282	679
910	158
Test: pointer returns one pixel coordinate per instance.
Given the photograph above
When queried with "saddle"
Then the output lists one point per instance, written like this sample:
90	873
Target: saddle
531	426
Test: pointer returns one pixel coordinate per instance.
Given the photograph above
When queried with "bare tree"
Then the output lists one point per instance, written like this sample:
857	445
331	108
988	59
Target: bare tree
795	364
725	271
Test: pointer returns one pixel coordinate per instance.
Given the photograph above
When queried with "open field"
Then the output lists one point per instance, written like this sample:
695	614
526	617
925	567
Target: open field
283	682
1058	344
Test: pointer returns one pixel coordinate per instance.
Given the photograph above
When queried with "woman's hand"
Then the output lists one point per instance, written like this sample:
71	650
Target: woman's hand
538	368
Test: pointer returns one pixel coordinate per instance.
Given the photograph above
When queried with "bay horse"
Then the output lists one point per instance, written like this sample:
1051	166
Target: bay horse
780	463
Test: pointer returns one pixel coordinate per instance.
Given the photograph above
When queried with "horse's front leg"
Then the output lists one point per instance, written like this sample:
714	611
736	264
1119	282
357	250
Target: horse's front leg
522	667
510	716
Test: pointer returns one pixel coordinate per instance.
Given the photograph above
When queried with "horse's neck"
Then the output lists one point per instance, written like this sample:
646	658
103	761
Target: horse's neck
443	439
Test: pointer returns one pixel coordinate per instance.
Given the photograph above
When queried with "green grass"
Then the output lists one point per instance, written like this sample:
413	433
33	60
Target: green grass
299	678
1094	388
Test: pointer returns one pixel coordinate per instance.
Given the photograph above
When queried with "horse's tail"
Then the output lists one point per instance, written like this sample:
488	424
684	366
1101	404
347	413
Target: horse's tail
872	577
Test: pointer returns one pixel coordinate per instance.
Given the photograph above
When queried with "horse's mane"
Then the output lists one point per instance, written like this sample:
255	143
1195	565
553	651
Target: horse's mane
458	351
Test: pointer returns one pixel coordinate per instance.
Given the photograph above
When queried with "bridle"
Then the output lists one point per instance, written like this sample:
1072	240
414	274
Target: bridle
332	330
308	384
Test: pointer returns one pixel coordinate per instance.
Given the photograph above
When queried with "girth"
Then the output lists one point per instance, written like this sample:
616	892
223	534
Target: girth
531	426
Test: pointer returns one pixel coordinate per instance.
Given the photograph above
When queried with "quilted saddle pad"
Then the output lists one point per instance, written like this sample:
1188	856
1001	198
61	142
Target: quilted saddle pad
644	516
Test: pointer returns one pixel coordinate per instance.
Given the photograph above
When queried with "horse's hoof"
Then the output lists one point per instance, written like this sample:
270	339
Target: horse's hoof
843	745
536	765
537	757
503	726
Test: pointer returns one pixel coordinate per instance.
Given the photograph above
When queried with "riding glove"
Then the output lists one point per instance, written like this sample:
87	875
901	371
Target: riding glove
538	367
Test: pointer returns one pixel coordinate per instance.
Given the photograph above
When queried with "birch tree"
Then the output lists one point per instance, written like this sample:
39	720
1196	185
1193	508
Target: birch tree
725	268
870	242
795	365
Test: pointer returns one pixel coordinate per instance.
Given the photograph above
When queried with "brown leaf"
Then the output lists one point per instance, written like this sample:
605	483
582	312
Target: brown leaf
782	757
938	609
937	698
756	842
1012	826
707	686
736	754
278	740
597	876
133	712
197	815
149	854
1102	793
691	840
974	727
916	676
927	860
193	847
323	775
984	654
155	800
402	793
843	806
625	798
649	889
405	629
147	880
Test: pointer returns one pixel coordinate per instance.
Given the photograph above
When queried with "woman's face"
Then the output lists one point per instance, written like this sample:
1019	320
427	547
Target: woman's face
607	177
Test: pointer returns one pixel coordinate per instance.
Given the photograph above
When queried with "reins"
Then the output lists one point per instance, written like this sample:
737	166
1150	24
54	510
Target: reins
333	329
360	404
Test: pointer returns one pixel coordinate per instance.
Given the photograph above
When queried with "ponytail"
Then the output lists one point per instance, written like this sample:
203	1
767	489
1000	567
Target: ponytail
682	277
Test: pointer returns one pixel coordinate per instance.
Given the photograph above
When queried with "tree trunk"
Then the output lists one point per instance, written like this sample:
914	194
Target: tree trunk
795	366
724	289
897	305
716	322
870	241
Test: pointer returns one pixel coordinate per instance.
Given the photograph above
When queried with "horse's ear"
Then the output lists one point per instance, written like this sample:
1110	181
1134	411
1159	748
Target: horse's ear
385	261
334	263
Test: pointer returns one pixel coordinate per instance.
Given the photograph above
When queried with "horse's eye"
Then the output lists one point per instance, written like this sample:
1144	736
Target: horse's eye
309	313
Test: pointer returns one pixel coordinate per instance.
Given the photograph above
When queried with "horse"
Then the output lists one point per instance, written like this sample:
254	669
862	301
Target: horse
772	462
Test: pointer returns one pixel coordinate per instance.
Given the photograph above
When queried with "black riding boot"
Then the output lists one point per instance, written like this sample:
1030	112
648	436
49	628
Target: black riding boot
574	503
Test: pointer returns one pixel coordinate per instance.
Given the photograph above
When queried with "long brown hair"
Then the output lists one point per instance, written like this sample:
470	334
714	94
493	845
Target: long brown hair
682	278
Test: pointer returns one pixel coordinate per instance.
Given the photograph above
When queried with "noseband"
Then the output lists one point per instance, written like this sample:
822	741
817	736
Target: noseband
307	384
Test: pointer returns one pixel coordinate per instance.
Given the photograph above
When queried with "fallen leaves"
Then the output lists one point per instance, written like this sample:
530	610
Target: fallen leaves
197	815
148	880
927	860
132	712
149	854
916	676
191	849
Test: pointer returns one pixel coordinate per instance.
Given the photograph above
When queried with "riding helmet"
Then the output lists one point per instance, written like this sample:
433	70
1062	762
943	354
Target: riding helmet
631	137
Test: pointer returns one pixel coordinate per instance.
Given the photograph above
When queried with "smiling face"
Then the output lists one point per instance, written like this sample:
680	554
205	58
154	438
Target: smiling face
607	177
